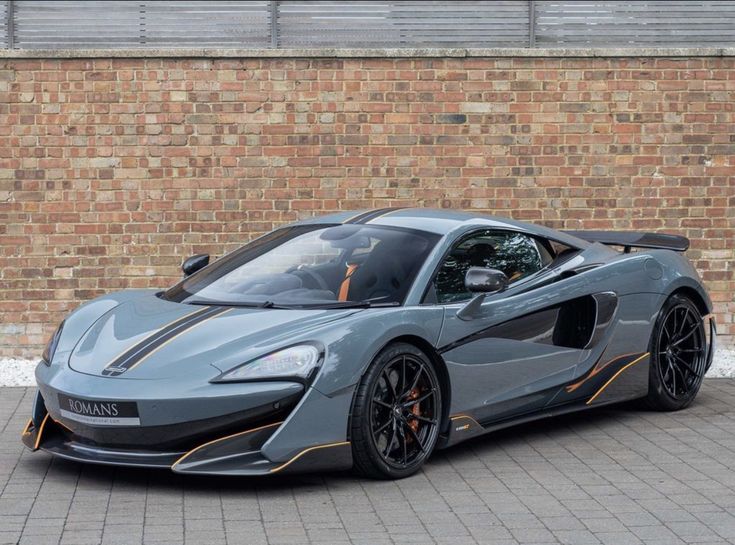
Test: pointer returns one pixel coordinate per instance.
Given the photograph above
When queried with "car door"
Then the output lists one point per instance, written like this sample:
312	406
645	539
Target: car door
512	354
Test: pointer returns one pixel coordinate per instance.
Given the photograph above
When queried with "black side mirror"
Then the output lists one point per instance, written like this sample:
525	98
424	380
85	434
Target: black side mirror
482	280
194	263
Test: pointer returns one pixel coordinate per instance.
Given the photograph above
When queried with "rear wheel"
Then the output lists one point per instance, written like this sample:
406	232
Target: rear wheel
678	355
395	417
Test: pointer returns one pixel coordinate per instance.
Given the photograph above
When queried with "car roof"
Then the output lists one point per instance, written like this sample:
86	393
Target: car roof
439	221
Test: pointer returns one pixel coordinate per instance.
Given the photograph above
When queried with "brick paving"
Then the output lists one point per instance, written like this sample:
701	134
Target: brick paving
611	476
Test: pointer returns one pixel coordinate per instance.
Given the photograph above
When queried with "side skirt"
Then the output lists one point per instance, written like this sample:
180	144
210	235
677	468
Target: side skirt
626	383
463	427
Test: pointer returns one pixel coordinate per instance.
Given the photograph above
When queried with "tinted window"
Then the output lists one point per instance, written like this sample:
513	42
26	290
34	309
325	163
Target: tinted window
313	264
515	254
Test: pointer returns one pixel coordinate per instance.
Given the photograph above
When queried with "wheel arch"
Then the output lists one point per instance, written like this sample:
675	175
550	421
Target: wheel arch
694	295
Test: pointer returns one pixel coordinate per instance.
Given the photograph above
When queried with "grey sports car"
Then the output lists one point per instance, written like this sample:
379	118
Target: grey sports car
367	340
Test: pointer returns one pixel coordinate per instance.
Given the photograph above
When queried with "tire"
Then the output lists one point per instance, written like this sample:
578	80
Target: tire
396	414
678	356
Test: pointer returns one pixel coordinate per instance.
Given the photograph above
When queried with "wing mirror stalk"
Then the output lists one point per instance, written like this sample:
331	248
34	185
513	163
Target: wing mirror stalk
482	282
194	263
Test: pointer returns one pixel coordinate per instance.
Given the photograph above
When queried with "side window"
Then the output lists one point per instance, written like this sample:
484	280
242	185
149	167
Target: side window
515	254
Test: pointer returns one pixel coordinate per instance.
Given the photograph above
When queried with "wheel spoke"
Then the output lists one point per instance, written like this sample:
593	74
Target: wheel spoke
416	378
414	437
405	448
689	333
673	316
383	427
388	448
413	402
668	335
681	373
403	376
683	320
673	376
686	365
382	403
392	390
422	419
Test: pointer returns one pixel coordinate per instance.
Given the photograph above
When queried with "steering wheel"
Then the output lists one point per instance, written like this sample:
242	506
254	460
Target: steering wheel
316	277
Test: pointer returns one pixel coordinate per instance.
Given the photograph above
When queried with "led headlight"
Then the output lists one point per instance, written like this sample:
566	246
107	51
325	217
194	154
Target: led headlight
48	352
297	362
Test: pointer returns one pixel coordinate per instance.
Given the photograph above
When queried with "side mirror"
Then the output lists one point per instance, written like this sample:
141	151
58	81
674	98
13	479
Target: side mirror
194	263
482	280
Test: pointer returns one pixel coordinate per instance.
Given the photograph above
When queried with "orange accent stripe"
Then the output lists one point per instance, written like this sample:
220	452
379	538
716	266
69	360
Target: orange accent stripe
192	451
616	375
460	416
27	429
40	432
300	454
597	369
62	425
345	286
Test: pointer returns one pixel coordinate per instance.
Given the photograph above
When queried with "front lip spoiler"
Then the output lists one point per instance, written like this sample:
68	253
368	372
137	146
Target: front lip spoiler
236	455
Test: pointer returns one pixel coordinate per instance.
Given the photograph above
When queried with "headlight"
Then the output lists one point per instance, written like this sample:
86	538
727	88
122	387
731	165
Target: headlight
297	362
48	352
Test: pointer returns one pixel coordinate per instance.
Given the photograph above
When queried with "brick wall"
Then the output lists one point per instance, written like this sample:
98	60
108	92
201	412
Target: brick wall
113	170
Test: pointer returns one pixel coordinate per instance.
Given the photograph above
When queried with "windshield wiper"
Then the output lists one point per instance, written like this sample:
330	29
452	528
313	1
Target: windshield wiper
350	304
264	304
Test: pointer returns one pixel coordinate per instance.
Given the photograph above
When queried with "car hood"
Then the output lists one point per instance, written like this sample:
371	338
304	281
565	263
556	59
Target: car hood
150	338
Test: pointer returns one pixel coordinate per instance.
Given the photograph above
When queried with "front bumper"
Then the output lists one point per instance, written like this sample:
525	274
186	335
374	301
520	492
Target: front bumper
215	429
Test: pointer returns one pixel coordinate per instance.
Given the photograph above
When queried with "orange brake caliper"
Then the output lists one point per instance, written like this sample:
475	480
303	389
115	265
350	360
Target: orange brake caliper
415	410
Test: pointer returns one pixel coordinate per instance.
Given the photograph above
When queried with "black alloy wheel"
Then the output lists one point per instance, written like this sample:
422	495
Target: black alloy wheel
679	355
397	413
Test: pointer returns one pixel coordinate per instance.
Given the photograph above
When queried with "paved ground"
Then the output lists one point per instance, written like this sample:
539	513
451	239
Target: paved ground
608	476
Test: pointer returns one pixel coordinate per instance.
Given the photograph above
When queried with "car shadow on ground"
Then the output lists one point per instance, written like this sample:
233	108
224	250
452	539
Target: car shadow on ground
163	480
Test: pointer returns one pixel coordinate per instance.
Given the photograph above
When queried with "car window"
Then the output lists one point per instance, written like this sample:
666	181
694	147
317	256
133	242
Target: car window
312	265
515	254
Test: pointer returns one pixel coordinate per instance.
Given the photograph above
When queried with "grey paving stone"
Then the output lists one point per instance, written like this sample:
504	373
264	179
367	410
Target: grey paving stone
613	476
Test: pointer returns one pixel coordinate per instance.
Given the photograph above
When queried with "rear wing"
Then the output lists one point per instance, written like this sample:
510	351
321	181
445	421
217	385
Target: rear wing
633	239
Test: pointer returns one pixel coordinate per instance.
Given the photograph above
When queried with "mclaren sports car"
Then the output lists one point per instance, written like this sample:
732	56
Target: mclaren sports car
367	340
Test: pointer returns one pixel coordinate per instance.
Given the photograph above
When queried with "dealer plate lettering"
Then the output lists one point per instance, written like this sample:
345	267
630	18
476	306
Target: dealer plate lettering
99	413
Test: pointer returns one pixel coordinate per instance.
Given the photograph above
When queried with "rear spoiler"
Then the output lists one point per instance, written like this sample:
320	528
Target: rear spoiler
633	239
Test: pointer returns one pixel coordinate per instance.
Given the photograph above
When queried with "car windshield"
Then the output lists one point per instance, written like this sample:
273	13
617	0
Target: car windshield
313	266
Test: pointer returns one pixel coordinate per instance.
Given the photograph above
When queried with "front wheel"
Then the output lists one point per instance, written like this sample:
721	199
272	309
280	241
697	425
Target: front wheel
396	413
678	355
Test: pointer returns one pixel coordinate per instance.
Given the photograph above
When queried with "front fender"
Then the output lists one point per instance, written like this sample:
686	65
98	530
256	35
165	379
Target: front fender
353	343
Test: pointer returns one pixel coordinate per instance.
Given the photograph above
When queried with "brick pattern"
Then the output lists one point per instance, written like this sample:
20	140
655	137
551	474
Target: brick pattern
112	171
604	477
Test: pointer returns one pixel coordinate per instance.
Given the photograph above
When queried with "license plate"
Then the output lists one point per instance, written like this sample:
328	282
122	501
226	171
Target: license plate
99	413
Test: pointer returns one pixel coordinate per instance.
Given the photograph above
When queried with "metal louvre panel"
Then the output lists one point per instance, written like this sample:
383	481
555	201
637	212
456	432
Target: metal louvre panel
619	24
207	23
4	41
463	24
119	24
41	24
98	24
403	24
334	24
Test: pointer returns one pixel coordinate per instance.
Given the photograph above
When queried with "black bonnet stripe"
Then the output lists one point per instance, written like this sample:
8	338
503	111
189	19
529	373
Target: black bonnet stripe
137	353
370	215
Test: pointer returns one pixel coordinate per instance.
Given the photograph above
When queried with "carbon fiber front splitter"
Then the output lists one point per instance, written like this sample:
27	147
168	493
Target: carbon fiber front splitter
234	454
